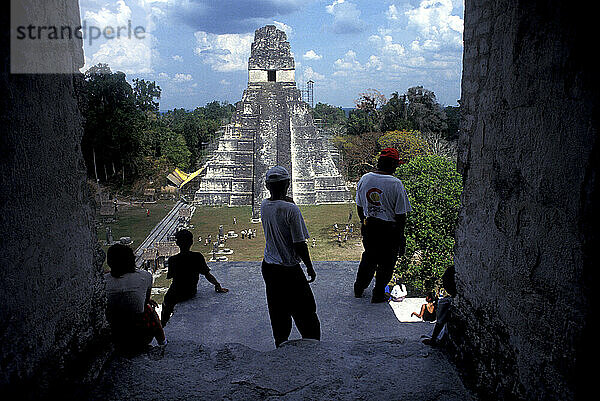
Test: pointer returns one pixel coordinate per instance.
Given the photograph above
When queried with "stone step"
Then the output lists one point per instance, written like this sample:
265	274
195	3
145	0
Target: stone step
220	347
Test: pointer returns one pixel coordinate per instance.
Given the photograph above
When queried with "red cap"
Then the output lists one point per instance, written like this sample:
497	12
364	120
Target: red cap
391	153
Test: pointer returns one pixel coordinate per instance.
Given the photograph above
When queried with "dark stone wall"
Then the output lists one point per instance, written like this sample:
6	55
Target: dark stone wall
52	321
525	240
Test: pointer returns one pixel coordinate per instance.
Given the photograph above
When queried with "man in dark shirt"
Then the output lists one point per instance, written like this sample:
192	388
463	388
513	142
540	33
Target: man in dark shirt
185	269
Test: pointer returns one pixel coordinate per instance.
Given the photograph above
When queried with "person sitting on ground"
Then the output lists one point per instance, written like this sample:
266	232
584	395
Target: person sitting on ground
185	269
444	309
428	309
130	311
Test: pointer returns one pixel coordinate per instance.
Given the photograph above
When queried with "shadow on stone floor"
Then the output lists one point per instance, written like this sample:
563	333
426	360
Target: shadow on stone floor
220	347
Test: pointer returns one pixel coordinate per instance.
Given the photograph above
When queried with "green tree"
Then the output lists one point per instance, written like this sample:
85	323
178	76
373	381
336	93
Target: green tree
332	116
433	186
359	122
408	144
145	92
113	139
174	148
360	153
198	127
452	121
424	111
367	114
394	114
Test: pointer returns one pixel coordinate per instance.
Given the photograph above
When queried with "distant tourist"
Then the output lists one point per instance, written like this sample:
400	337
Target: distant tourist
185	269
129	309
382	204
288	291
428	309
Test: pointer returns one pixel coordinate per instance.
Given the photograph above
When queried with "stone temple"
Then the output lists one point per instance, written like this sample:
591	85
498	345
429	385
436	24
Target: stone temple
271	126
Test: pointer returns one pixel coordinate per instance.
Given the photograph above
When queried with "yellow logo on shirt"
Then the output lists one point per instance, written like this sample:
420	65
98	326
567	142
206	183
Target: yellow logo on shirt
374	196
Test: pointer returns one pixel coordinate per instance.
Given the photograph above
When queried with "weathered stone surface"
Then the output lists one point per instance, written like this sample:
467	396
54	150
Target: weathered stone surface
221	347
270	50
51	288
271	125
529	156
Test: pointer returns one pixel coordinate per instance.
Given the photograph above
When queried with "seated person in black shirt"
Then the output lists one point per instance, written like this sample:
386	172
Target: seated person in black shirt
185	269
428	310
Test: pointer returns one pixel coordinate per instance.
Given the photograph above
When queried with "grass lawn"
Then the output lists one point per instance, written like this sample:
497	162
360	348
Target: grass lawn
133	222
319	220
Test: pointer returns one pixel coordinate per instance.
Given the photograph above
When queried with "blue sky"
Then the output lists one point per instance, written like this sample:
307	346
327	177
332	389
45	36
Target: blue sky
197	50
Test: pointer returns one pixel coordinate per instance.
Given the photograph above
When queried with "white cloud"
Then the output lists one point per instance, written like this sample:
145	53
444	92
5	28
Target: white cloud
312	55
106	17
289	31
131	56
392	13
374	63
347	64
180	77
232	16
330	8
227	52
437	27
346	17
309	74
121	50
177	58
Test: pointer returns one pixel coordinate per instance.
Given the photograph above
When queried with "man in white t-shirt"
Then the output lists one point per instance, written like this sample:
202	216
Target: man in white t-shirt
382	205
288	291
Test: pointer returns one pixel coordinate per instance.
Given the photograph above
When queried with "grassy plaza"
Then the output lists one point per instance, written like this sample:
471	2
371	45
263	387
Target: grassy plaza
134	221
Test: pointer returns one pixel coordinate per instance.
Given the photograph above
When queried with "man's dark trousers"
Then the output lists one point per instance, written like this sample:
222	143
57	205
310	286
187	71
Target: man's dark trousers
172	298
289	296
381	240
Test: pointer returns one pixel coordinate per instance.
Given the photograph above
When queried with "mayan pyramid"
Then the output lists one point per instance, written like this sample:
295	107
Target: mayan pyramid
271	126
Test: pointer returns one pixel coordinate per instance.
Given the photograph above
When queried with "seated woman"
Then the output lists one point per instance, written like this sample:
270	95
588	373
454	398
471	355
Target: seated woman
129	310
428	310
